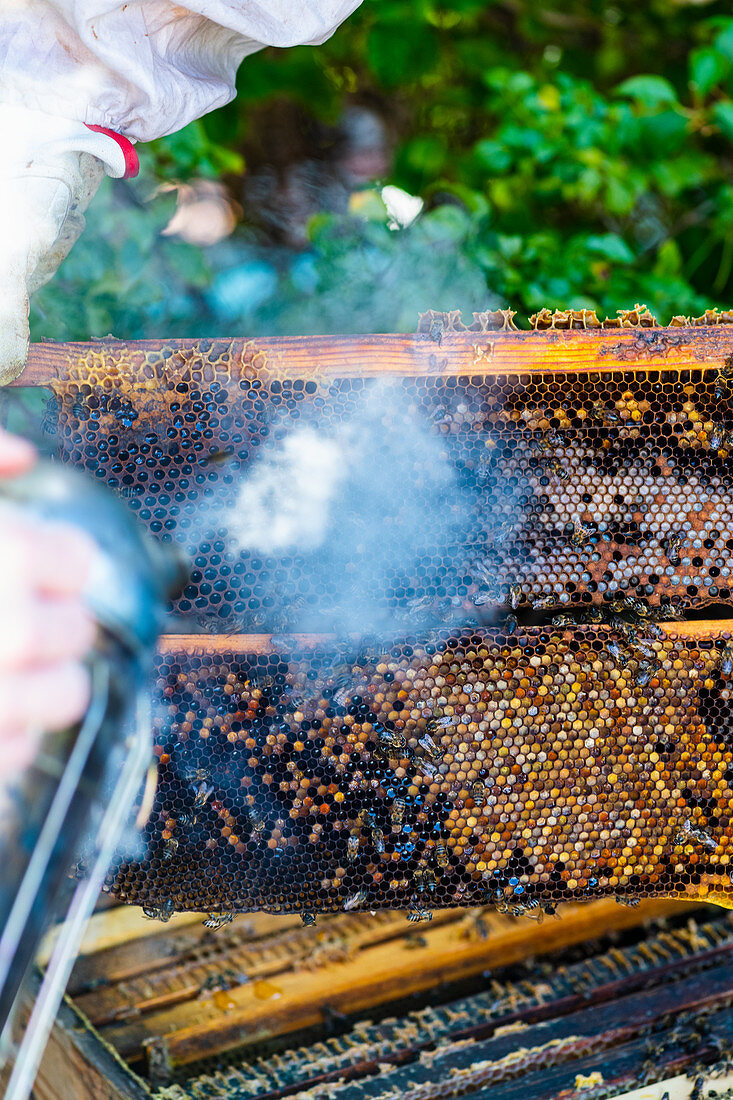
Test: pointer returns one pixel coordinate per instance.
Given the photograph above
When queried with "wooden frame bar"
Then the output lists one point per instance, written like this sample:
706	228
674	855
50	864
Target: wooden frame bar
453	353
200	645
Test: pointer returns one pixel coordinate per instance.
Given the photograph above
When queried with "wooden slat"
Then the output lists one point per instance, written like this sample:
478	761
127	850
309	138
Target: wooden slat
180	979
456	353
200	645
152	946
382	973
111	927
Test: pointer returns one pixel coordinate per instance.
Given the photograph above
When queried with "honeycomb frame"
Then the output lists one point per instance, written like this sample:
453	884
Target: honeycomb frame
590	756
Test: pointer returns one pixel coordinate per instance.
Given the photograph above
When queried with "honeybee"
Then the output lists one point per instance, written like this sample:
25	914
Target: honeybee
390	739
308	919
525	908
644	672
424	879
726	660
544	603
442	723
50	421
218	919
162	912
397	813
501	533
428	746
581	534
557	468
420	607
342	689
378	840
693	834
478	791
352	847
637	607
203	794
716	437
441	855
646	650
631	903
355	900
258	823
603	414
616	652
724	377
187	818
170	846
563	620
515	596
672	545
416	915
510	624
194	776
551	438
484	597
428	768
80	407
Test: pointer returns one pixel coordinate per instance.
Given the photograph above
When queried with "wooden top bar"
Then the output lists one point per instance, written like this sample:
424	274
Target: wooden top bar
453	353
201	645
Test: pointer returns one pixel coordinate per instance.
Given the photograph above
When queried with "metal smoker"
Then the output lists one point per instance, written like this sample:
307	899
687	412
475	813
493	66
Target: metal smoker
81	787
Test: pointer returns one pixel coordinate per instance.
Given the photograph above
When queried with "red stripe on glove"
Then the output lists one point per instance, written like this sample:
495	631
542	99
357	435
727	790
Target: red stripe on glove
132	161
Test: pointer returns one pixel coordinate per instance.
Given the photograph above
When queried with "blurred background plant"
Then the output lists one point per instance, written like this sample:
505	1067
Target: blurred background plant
457	154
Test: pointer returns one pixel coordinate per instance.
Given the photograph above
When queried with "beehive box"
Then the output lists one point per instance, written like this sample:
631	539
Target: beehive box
360	1005
540	716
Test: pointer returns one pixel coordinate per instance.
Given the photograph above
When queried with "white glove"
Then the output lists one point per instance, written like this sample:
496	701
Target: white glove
50	170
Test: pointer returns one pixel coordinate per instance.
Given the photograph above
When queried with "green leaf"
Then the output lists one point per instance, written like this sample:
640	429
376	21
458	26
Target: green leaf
651	91
669	259
493	156
722	114
425	155
611	247
665	130
723	41
707	68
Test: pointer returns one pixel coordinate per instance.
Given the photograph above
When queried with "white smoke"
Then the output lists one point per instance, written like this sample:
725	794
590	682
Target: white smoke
355	503
287	499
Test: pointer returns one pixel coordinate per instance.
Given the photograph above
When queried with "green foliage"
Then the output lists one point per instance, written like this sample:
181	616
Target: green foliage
579	155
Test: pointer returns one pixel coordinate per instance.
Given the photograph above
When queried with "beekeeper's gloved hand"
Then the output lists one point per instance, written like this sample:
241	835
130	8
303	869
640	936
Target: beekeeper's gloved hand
50	168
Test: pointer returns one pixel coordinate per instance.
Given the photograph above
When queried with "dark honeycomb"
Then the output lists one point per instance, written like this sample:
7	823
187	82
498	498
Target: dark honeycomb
575	487
529	726
523	770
